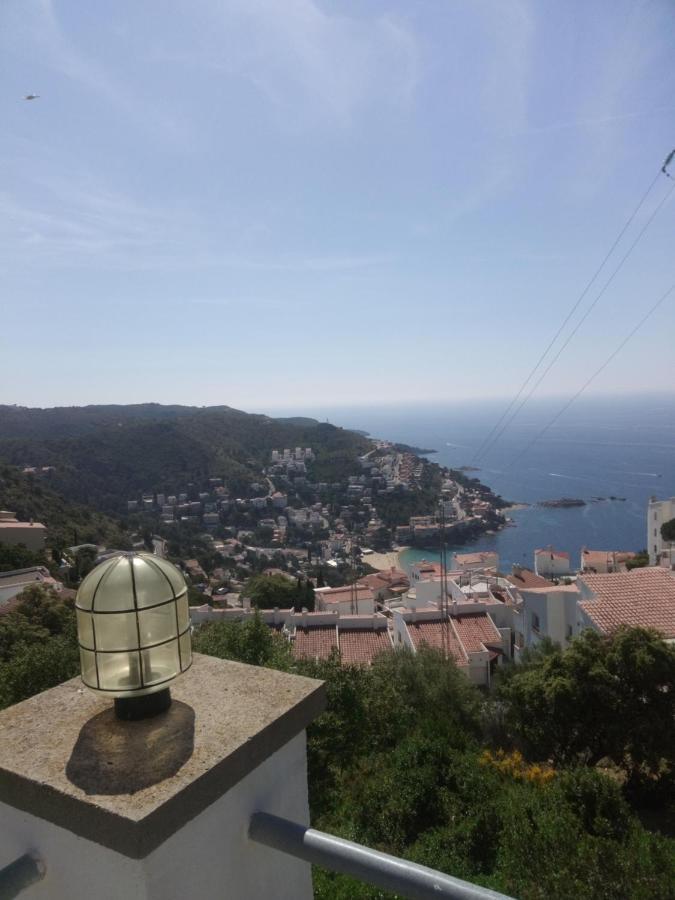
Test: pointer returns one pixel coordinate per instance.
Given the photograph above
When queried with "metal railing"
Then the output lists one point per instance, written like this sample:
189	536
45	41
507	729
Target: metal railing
407	879
21	873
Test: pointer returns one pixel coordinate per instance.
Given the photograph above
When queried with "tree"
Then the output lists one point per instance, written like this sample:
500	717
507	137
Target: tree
639	561
250	642
18	556
605	696
304	595
668	530
268	591
38	645
37	666
85	560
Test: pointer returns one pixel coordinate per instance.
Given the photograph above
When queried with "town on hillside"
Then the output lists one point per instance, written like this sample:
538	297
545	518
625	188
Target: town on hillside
318	562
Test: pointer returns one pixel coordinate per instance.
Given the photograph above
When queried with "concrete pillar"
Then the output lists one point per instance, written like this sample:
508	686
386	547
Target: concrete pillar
159	808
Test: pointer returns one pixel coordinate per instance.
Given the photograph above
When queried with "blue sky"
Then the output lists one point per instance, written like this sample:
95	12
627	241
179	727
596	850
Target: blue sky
288	204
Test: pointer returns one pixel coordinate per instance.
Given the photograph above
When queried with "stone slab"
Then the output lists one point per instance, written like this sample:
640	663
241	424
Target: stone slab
64	757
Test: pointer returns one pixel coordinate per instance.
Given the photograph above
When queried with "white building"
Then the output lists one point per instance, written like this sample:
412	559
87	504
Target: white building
31	534
469	636
658	512
345	600
548	612
550	563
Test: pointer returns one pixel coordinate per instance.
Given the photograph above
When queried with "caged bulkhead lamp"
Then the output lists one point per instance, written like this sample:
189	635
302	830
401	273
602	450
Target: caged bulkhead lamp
133	627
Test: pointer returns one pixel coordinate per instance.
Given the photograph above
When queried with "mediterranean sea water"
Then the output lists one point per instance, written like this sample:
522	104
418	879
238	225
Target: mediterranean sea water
601	447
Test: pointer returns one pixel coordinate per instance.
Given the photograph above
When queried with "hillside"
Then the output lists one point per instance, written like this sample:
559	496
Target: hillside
73	421
67	523
104	455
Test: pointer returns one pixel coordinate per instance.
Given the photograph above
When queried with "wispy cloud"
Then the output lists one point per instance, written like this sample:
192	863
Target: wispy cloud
305	60
81	223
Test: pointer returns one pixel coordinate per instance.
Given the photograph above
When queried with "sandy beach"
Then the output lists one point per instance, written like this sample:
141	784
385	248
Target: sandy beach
382	561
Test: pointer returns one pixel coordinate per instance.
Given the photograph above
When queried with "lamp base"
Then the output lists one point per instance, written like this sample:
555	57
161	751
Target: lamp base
131	709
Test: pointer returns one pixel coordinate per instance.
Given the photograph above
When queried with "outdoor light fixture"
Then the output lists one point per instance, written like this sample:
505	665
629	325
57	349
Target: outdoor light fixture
133	629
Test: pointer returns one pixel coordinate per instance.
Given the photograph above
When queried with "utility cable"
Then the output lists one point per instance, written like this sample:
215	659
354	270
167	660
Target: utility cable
487	447
597	372
588	286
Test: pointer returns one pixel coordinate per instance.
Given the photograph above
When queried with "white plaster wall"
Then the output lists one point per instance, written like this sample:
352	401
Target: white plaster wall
555	614
32	536
551	568
365	606
401	634
658	512
210	857
534	603
427	592
478	667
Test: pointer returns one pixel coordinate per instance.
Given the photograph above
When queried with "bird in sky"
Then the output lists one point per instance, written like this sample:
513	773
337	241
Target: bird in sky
32	97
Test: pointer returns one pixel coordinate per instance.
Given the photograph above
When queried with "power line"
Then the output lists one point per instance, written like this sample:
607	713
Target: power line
597	372
581	321
588	286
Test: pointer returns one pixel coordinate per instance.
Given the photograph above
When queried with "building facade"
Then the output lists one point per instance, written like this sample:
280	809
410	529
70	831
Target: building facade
658	512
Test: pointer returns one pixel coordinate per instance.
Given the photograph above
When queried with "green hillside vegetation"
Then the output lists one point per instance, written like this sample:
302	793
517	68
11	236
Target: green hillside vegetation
67	523
38	645
105	455
73	421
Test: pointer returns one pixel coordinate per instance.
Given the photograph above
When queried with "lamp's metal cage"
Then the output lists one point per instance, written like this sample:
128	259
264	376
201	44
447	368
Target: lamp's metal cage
133	625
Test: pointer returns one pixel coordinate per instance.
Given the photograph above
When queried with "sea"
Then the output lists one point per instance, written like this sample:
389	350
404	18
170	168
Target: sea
602	447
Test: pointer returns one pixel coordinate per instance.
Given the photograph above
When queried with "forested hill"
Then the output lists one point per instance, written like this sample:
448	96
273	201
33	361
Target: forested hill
73	421
103	455
67	523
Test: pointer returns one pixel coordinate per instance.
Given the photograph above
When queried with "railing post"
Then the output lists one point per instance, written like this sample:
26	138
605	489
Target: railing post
21	873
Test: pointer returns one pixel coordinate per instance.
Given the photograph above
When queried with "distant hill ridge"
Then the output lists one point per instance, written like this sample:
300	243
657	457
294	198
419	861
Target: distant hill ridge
104	455
71	421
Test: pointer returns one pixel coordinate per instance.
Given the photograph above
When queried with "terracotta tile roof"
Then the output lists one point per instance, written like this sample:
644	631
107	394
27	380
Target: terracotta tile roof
641	597
359	646
438	635
315	643
556	588
390	578
548	551
466	559
595	558
428	568
343	594
476	630
526	578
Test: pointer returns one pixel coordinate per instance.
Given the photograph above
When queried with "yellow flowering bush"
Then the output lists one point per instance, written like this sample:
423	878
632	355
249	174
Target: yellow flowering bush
514	766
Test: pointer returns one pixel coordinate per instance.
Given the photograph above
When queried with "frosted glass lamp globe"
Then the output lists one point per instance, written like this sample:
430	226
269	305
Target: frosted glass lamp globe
133	628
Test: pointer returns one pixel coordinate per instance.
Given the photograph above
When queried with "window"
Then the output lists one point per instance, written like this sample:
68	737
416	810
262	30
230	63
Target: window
535	622
569	632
